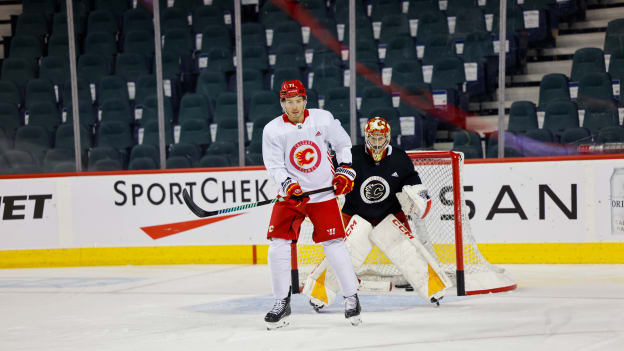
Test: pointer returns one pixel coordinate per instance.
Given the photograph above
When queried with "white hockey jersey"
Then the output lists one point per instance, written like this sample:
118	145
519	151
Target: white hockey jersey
300	151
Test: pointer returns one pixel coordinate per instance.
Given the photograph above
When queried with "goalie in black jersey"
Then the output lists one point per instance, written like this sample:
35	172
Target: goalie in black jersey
386	189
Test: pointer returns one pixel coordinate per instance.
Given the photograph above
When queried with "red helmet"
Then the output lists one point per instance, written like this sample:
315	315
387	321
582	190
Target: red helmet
292	88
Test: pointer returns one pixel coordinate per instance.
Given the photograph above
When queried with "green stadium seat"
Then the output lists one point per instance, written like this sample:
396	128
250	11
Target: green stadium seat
399	49
102	21
264	104
522	117
204	16
289	55
178	162
54	157
64	137
253	34
179	41
116	7
115	110
98	154
92	67
587	60
613	134
18	71
44	114
54	69
138	19
194	106
188	151
553	87
195	131
10	118
214	161
130	66
20	162
211	84
114	134
393	26
100	43
33	139
151	134
226	107
32	23
255	57
112	87
215	36
10	94
26	46
469	143
145	151
374	98
559	116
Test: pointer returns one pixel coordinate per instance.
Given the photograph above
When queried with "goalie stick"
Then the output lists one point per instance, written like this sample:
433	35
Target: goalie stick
199	212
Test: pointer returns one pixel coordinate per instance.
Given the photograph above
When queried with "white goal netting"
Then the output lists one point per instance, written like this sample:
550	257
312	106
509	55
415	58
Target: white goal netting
449	240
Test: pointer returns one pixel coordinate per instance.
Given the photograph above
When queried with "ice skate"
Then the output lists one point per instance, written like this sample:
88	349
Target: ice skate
278	317
352	309
316	304
436	298
436	301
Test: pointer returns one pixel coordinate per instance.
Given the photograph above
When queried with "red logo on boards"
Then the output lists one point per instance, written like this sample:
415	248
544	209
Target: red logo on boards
305	156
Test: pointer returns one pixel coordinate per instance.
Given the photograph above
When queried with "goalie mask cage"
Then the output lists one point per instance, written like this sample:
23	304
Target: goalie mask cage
445	232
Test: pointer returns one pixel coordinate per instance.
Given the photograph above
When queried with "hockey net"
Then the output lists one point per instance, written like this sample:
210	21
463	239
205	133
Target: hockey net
449	240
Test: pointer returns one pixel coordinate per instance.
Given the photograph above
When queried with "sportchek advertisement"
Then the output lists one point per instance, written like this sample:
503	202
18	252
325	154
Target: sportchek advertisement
148	209
578	201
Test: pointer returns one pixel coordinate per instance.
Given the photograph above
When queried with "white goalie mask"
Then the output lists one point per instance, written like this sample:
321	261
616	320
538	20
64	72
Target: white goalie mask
377	137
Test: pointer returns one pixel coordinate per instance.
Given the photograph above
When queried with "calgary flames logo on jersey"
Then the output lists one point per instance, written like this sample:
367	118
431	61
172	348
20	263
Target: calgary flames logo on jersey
374	189
305	156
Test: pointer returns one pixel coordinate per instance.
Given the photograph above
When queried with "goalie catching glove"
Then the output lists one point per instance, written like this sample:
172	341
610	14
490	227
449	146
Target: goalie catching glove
343	179
415	200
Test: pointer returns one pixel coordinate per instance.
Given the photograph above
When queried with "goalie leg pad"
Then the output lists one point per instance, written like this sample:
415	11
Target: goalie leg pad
407	253
357	240
322	285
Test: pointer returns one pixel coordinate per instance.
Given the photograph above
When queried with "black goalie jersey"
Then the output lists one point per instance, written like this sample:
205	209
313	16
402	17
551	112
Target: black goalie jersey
376	183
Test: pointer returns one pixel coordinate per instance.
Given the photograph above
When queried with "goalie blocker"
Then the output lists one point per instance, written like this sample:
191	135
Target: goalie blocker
396	241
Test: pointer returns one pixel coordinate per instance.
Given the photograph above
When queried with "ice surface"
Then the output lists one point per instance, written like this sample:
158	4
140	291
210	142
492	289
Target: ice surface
218	307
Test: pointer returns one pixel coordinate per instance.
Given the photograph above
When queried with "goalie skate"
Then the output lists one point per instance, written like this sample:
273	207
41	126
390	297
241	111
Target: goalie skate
316	304
279	316
352	309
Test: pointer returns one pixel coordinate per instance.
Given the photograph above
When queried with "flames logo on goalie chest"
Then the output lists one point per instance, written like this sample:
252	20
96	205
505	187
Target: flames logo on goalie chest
305	156
374	189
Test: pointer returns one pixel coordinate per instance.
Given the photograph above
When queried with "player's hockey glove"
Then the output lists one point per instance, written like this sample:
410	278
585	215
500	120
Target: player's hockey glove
343	179
293	191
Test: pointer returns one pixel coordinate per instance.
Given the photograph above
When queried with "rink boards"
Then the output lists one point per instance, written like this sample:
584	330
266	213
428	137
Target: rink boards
521	211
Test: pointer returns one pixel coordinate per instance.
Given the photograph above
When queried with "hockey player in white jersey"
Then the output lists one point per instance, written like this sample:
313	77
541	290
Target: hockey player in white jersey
387	188
296	155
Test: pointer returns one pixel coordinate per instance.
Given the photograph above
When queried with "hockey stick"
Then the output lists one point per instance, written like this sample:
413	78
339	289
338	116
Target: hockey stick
199	212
